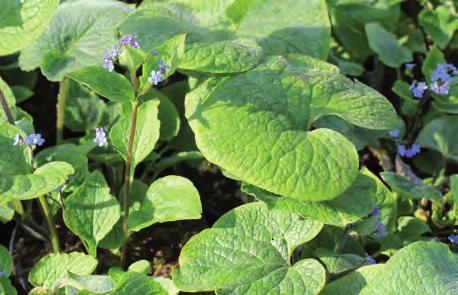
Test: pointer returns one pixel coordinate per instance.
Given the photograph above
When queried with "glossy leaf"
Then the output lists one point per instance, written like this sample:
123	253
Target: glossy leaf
353	283
410	189
146	132
43	180
52	267
78	36
259	133
169	198
21	22
439	23
91	211
111	85
440	135
6	262
255	259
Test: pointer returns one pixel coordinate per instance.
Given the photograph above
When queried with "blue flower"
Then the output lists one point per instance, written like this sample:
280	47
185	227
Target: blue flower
418	88
442	73
109	57
155	52
440	89
370	259
394	133
34	139
162	66
155	77
410	66
408	152
2	273
128	40
380	229
59	188
453	239
100	137
376	211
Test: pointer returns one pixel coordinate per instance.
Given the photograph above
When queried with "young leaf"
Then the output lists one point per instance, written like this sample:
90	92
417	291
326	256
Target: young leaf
21	22
91	212
420	268
336	263
356	202
141	266
128	283
259	133
410	189
55	266
439	23
78	36
353	283
111	85
146	132
440	135
6	262
169	198
387	46
170	53
43	180
256	258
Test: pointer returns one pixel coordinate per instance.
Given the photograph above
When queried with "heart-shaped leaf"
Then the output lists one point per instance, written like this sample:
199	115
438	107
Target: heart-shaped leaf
91	211
247	252
260	133
23	21
78	36
169	198
43	180
353	283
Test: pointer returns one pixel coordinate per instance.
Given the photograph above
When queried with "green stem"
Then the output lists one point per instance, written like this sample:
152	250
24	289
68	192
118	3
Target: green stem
51	225
6	108
127	183
61	97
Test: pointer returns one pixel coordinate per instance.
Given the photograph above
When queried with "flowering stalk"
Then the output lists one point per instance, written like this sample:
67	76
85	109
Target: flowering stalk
128	175
51	225
61	97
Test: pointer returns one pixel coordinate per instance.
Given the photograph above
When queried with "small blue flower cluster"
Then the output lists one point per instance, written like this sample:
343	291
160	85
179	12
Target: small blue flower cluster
156	76
380	226
32	139
441	77
402	150
100	137
453	239
110	56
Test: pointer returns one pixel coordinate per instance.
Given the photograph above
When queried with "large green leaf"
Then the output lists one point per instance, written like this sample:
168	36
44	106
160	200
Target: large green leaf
355	203
169	198
23	21
13	159
6	262
111	85
247	252
78	36
288	26
420	268
146	132
256	125
440	135
55	266
9	97
353	283
43	180
387	47
91	211
227	56
439	23
410	189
